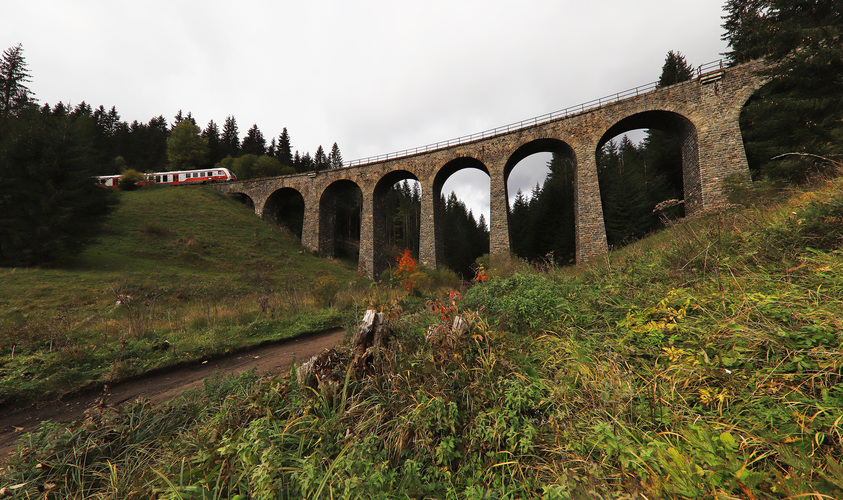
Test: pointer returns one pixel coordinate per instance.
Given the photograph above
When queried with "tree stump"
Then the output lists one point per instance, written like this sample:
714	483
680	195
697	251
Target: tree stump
374	334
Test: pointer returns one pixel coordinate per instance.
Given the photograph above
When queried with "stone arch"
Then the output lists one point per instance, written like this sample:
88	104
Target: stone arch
380	258
243	198
332	200
685	130
442	175
286	207
548	145
452	167
565	216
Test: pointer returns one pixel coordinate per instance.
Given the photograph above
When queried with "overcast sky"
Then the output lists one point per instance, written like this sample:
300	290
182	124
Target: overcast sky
375	76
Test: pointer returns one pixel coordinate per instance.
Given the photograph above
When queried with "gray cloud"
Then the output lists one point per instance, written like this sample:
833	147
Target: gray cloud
373	75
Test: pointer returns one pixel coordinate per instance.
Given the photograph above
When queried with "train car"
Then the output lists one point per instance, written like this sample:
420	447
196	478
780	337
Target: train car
111	181
174	178
179	177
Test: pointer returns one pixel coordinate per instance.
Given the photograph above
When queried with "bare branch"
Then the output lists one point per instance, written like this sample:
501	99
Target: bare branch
823	158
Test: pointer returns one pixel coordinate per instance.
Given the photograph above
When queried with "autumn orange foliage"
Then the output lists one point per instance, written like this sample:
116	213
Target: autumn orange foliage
480	275
406	269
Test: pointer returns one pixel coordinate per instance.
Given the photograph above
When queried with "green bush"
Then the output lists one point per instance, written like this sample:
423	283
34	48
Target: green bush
130	179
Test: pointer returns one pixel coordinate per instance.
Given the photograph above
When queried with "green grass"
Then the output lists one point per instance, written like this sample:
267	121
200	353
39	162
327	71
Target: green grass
202	272
703	362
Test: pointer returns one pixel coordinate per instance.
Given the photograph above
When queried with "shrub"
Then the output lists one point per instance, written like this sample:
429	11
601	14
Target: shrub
130	179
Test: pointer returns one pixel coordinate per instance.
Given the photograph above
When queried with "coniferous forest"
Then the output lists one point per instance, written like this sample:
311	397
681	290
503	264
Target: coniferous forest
792	127
70	143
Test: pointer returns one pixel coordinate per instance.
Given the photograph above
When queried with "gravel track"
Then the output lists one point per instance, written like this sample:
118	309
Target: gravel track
162	385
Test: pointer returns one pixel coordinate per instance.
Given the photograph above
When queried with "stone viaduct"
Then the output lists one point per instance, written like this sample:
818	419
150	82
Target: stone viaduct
703	113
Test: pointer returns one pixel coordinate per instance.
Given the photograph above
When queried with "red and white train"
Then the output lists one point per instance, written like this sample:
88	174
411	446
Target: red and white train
174	178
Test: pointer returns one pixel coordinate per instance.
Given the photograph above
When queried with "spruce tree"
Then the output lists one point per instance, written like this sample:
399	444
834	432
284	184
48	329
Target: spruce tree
230	138
284	151
216	150
254	142
519	227
320	160
542	224
297	163
14	94
675	69
747	29
335	157
178	119
306	163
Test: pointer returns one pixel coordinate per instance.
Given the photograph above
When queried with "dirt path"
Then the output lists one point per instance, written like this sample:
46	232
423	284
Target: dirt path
277	357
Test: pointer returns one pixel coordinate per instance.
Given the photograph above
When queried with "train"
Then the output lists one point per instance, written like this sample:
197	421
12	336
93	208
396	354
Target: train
174	178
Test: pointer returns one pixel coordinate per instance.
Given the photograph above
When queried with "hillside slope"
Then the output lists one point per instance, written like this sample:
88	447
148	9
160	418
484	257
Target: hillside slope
178	273
703	362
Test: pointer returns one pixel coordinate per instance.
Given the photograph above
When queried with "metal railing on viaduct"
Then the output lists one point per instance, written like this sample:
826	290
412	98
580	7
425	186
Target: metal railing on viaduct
702	113
713	67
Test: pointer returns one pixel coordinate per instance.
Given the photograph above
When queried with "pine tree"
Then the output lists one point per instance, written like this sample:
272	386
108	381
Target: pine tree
320	160
216	150
284	152
335	157
230	138
306	163
254	142
747	29
675	69
14	94
178	119
297	163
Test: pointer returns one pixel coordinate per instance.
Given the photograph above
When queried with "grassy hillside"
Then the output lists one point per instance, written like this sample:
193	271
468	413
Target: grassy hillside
703	362
190	267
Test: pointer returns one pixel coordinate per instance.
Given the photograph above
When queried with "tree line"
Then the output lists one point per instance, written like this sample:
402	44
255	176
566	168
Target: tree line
190	147
49	205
